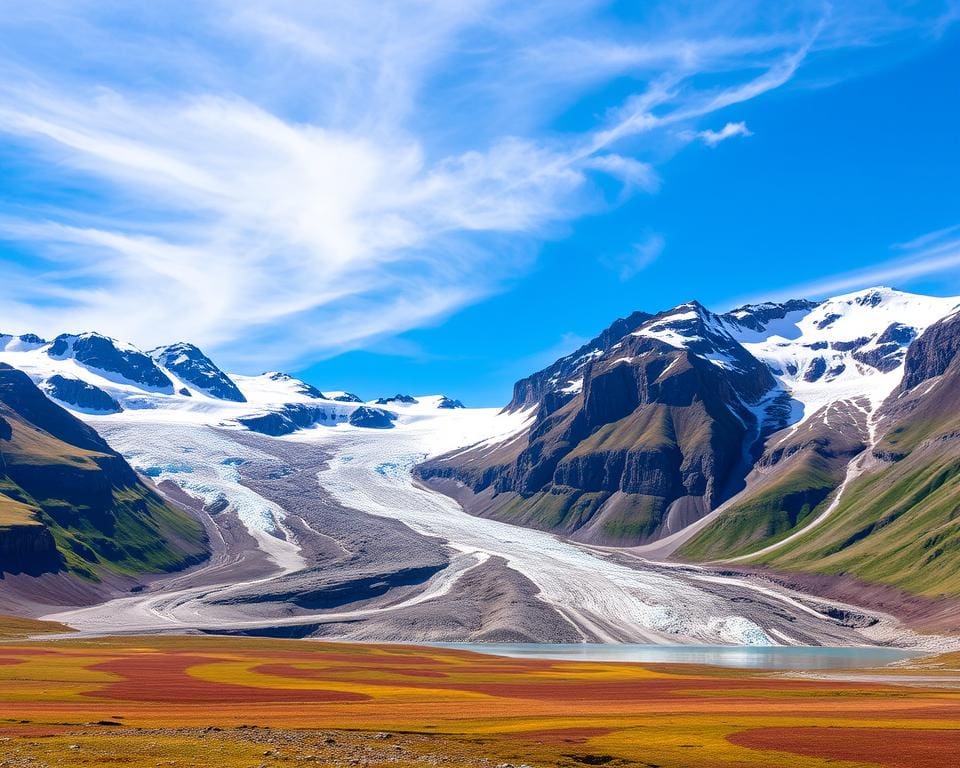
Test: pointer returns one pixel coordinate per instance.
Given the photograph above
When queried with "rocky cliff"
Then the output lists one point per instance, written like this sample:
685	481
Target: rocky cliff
648	438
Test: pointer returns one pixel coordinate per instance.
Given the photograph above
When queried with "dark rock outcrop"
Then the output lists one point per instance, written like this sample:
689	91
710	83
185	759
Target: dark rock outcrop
290	418
884	357
107	356
80	394
28	549
446	402
397	400
372	418
816	369
757	317
189	364
931	354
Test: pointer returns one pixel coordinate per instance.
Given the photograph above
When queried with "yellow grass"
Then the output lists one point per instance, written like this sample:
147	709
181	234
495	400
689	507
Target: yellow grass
250	702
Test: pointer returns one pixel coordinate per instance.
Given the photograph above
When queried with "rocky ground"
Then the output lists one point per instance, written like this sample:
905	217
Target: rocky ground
258	747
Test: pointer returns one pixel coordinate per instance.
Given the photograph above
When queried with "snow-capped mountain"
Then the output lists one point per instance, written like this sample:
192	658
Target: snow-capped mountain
98	376
662	418
196	369
566	374
277	386
113	360
846	347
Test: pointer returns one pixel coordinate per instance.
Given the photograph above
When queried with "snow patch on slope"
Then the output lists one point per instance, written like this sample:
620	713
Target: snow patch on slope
821	355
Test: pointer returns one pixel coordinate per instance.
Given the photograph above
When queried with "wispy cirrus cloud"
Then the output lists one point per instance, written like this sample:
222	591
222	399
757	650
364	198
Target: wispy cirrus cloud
643	253
932	253
301	179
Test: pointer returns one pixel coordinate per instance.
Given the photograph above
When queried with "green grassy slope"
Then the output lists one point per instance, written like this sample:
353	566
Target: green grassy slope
68	502
791	484
897	525
772	513
899	522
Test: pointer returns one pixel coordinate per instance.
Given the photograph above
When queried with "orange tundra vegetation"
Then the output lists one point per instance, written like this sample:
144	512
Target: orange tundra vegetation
224	701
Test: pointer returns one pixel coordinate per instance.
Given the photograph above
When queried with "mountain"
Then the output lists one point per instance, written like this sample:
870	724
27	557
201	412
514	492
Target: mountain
897	520
565	373
628	439
838	361
723	434
80	395
68	502
287	386
96	376
122	363
195	368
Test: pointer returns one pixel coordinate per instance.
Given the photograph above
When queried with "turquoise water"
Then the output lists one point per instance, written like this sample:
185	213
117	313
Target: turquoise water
746	657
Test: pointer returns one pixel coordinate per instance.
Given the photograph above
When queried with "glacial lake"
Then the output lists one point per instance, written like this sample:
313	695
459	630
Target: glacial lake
745	657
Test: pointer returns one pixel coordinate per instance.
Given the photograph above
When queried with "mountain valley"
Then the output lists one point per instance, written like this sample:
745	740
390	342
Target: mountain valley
686	476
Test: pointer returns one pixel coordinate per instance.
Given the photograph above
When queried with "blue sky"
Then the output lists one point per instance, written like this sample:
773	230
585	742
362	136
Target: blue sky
444	196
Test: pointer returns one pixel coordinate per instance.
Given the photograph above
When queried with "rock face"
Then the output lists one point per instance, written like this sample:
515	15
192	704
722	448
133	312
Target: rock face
60	482
932	353
291	417
448	403
651	437
80	395
111	358
27	548
565	373
759	317
346	397
661	419
397	400
189	364
372	418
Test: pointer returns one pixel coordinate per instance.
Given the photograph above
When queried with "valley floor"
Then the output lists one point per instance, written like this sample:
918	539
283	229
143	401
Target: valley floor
326	534
232	702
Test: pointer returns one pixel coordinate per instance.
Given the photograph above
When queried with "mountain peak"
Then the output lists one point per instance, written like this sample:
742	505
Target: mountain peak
188	363
112	359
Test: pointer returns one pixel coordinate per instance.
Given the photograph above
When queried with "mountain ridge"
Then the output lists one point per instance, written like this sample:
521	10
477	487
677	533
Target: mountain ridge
807	422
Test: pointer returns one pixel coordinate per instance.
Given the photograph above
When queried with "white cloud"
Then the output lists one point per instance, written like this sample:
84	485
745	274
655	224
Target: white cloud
927	239
712	138
638	258
301	179
932	254
633	173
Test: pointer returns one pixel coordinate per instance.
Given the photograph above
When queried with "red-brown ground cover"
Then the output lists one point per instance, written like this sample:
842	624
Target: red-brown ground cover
511	711
887	747
165	678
